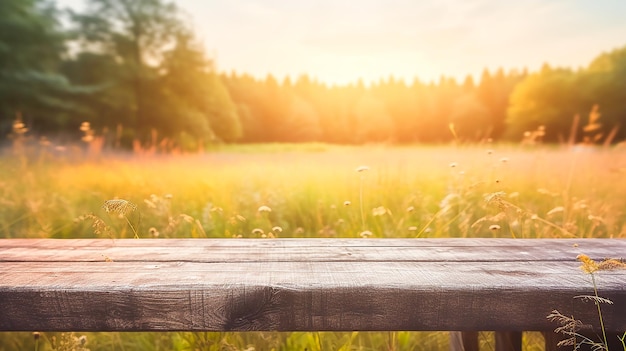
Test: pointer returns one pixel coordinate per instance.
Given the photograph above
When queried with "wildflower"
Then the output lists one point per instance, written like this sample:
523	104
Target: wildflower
85	126
544	191
412	228
347	203
365	234
489	152
277	229
257	231
494	227
410	209
453	164
264	209
379	211
557	209
153	232
504	160
361	169
82	340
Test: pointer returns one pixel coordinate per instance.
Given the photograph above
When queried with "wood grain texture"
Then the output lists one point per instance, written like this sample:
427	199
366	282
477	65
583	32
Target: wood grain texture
303	284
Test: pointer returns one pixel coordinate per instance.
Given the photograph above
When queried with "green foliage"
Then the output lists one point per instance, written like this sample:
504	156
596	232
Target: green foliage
604	84
31	48
154	77
549	98
552	97
30	37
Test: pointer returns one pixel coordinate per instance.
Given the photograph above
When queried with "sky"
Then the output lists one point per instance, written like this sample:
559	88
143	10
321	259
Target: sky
341	41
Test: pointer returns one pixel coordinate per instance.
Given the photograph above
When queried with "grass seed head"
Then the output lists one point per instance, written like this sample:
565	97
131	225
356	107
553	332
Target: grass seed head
611	264
588	265
119	206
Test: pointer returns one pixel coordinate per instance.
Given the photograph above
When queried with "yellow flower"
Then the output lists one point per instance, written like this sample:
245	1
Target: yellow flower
588	265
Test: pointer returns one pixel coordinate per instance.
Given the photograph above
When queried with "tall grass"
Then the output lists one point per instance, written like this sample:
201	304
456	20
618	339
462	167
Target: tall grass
312	191
407	191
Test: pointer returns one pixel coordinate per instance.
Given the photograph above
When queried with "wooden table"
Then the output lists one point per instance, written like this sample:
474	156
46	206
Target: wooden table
304	284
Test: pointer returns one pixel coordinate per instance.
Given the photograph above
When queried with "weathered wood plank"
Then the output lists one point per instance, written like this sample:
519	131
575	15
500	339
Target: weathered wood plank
248	250
301	284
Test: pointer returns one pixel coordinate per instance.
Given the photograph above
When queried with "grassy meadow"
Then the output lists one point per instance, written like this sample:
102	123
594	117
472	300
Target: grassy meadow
310	190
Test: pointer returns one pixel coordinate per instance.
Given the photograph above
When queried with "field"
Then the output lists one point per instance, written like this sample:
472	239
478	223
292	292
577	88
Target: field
312	190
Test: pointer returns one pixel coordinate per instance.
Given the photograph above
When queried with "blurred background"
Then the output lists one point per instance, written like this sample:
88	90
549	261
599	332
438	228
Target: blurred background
184	75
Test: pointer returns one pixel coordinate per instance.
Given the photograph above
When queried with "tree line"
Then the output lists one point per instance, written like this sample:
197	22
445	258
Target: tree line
136	70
